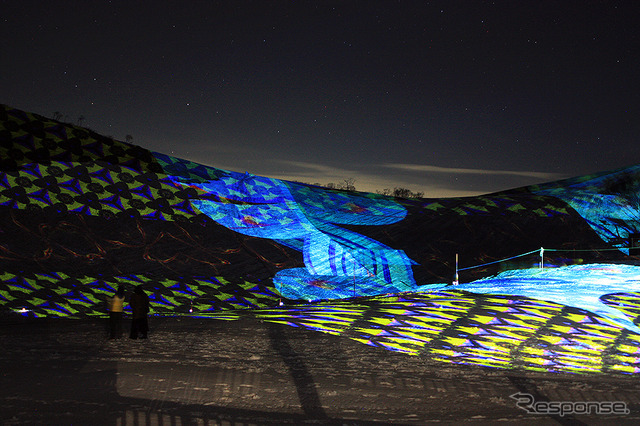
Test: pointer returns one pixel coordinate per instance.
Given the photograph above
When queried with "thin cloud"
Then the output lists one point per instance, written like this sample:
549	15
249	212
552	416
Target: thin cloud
312	169
365	180
430	180
423	168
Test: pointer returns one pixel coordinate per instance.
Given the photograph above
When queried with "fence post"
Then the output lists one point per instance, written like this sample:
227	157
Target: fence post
455	280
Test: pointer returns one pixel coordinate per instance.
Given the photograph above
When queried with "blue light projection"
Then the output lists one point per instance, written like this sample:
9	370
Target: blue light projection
338	262
580	286
609	202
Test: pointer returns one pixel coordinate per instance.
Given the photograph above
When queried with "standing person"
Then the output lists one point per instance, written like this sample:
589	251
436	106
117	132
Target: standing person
115	305
139	308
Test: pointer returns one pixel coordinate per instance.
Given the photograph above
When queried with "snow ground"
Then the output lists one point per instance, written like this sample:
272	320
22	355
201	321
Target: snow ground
205	371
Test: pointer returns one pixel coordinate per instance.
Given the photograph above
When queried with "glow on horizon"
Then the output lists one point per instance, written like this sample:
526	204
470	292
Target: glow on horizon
376	180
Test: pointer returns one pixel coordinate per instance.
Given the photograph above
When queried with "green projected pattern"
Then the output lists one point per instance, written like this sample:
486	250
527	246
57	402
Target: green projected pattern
94	189
499	204
57	294
464	328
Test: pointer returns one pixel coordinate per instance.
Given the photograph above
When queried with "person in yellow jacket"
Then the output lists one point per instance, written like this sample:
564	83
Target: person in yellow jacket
116	306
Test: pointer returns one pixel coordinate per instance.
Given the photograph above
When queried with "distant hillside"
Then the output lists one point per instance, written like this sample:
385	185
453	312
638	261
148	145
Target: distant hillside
81	213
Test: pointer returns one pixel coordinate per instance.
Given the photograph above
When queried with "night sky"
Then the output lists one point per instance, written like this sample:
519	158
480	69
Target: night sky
449	98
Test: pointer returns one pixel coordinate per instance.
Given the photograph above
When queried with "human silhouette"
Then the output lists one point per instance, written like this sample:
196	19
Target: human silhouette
139	304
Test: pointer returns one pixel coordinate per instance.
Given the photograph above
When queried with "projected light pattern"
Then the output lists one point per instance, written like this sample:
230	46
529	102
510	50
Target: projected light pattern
212	243
609	202
60	295
465	328
580	286
93	189
448	325
338	263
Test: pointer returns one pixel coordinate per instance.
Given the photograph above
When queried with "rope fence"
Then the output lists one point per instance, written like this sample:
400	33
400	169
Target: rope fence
541	251
498	261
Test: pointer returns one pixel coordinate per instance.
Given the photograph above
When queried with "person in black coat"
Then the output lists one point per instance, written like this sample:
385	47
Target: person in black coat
139	304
